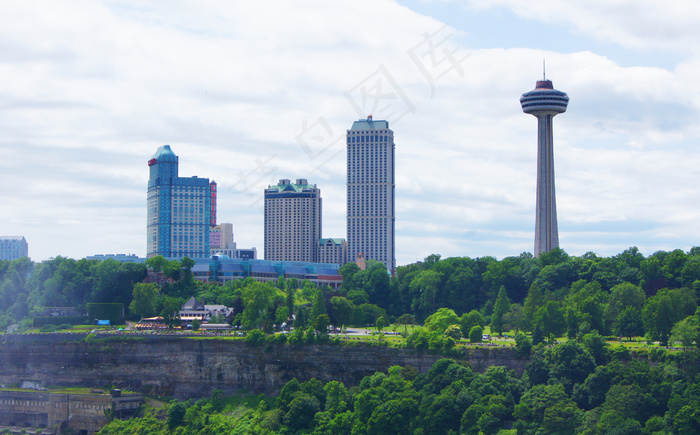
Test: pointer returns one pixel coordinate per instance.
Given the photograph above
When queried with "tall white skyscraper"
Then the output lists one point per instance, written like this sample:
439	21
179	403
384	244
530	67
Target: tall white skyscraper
292	221
371	211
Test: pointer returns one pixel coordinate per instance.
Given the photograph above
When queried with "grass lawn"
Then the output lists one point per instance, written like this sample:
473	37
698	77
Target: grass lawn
77	328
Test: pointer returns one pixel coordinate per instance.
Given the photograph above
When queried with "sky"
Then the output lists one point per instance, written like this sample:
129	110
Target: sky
247	93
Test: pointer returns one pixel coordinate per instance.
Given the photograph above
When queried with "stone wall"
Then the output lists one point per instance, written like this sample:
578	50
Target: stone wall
187	367
80	412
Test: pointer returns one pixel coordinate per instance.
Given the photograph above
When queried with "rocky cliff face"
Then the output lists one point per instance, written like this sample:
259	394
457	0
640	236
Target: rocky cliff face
186	367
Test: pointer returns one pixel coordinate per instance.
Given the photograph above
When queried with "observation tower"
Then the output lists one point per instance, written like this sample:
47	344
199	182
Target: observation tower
544	102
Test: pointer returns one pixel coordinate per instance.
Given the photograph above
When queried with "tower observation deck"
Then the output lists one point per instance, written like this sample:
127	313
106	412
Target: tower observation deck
544	102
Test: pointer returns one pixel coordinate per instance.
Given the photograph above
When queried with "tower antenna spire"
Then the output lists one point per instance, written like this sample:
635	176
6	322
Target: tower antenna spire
544	76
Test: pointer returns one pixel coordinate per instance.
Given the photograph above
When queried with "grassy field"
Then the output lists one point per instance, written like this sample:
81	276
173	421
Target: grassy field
78	328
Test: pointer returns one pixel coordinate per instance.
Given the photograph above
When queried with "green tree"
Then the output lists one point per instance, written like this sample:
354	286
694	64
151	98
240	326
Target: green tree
622	296
596	346
476	334
406	319
685	332
424	291
157	263
302	410
658	317
552	319
319	305
170	311
500	308
393	417
321	324
441	320
629	323
196	323
342	311
453	331
348	272
289	301
470	320
259	300
547	407
381	323
337	397
281	315
176	415
144	300
523	345
533	302
570	361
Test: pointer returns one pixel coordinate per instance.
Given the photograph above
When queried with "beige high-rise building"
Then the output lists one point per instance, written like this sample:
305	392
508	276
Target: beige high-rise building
371	213
333	251
292	221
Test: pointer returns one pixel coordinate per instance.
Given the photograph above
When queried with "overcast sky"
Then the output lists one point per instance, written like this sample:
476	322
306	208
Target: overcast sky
249	92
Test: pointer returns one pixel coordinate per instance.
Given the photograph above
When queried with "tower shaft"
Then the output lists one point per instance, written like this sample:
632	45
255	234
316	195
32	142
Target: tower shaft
546	228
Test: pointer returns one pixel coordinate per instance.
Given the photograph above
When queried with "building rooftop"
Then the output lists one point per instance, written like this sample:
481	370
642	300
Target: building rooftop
285	185
165	154
334	241
369	124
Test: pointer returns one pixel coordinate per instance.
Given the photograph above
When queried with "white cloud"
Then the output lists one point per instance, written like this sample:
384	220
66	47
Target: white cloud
637	24
90	90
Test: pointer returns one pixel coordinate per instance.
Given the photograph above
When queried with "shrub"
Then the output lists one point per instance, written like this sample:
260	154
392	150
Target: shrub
48	328
657	354
454	331
475	334
255	337
620	353
196	323
40	321
276	339
523	345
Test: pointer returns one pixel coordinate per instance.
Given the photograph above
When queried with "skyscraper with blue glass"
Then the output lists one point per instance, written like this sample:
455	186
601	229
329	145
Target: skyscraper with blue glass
371	212
180	210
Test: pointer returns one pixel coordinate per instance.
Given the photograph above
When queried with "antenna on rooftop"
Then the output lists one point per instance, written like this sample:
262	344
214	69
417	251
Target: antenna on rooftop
543	74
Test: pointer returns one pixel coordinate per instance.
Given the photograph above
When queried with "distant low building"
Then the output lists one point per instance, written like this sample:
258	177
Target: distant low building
122	258
61	312
13	247
333	251
223	269
194	309
150	324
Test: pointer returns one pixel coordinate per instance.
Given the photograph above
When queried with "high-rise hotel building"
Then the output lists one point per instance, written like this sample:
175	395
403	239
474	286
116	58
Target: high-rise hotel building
180	210
371	211
292	221
13	247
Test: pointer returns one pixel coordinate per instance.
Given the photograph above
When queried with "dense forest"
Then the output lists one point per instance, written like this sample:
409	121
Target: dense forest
562	310
563	391
626	295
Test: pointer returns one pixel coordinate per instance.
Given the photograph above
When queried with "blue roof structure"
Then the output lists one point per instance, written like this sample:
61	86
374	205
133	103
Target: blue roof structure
165	154
369	124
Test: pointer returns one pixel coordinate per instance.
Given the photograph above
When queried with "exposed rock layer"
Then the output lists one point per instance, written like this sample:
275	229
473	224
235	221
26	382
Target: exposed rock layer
187	367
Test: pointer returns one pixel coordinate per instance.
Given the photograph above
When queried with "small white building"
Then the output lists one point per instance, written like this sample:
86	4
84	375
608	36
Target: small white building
193	309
